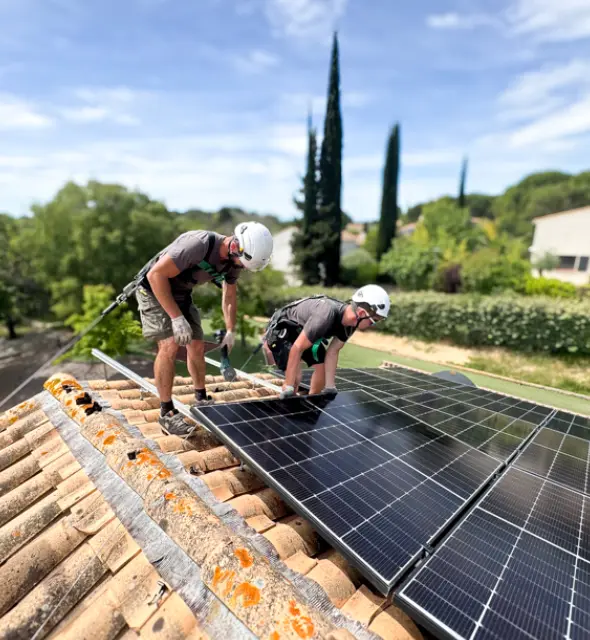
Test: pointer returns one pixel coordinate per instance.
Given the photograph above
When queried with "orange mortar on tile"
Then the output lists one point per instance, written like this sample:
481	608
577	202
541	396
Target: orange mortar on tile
110	439
246	595
243	555
275	635
100	433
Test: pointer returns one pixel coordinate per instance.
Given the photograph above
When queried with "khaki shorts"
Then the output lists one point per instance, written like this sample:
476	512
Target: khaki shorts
156	323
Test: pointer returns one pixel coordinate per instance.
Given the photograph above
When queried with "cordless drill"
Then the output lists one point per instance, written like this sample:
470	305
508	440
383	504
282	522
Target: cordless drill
227	371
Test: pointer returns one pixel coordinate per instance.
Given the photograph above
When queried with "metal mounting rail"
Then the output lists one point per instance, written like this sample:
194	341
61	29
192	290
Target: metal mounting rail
247	376
143	383
185	410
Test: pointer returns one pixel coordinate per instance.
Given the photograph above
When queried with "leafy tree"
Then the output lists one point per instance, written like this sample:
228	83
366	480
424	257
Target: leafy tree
330	189
95	234
370	245
414	213
547	262
411	265
480	205
21	296
492	271
389	209
462	200
113	335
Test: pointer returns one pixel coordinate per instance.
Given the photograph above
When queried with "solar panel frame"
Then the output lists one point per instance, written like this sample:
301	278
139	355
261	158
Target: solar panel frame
382	582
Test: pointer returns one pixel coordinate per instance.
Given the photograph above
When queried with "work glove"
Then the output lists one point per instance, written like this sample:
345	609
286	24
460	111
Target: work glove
287	392
331	391
182	331
229	341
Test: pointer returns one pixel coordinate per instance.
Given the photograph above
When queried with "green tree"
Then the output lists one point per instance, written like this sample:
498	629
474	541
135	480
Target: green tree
21	295
330	186
462	202
95	234
414	213
359	267
411	265
113	335
547	262
480	205
307	252
389	209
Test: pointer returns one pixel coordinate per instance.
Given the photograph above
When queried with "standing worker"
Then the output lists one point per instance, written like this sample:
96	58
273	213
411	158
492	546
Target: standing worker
168	315
301	330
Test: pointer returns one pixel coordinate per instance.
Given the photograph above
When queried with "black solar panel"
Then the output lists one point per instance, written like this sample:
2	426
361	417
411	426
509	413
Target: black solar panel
570	424
516	567
559	457
380	485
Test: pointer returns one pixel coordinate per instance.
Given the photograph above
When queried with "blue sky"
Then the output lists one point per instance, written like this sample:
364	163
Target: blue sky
203	102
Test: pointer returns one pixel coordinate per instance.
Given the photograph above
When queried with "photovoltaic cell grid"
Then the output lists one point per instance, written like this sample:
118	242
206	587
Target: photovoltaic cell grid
379	484
557	456
516	567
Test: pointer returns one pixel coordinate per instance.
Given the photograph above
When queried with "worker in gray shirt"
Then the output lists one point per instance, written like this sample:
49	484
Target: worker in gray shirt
300	332
168	315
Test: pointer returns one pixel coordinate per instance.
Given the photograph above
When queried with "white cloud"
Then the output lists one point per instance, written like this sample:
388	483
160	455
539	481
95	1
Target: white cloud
459	21
307	19
551	20
103	104
256	61
573	119
538	92
16	113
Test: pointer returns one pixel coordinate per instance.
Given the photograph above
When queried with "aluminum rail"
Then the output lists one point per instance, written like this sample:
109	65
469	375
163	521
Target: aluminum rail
144	384
247	376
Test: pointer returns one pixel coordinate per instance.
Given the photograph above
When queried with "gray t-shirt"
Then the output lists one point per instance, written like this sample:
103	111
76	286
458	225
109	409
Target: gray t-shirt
320	318
187	251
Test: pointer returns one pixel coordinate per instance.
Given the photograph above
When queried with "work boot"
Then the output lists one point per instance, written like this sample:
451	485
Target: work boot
174	423
205	402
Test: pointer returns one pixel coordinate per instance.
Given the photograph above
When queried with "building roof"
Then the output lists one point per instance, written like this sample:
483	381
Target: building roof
561	213
110	528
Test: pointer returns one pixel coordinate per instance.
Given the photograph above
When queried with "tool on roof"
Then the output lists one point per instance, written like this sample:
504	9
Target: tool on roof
225	368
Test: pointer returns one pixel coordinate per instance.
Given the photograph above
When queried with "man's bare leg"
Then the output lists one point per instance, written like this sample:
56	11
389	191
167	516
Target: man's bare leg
164	368
196	363
318	379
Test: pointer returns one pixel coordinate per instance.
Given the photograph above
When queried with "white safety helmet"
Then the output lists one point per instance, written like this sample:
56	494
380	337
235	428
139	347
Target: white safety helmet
255	245
373	299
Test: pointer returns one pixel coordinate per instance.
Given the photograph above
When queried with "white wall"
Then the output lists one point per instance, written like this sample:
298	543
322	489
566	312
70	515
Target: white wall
566	234
282	255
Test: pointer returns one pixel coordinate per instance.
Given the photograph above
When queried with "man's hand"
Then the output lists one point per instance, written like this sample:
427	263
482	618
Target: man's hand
287	392
183	334
330	391
229	341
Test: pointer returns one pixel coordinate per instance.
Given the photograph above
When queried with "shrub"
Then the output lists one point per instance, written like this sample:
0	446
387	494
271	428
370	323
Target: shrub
524	324
114	333
358	268
410	265
489	271
550	287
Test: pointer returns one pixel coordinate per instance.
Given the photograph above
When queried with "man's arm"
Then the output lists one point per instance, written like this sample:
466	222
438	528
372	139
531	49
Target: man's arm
159	278
229	305
300	345
332	362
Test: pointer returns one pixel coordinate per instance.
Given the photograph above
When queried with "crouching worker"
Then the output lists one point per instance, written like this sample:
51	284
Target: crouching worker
301	332
168	315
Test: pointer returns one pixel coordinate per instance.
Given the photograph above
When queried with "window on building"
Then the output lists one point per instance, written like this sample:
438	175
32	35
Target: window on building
583	264
567	262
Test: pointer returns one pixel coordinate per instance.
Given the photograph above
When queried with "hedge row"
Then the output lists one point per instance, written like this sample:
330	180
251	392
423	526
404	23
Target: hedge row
524	324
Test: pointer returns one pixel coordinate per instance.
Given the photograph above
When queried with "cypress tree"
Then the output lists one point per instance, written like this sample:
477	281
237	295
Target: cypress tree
308	249
389	210
462	202
331	173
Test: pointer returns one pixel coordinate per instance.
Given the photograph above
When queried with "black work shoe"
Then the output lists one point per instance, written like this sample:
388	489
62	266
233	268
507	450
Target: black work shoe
174	424
206	402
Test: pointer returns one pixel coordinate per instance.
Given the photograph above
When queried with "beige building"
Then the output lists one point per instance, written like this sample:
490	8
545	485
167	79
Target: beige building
567	236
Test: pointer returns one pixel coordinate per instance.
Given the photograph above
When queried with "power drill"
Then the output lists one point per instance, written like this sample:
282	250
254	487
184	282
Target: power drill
226	370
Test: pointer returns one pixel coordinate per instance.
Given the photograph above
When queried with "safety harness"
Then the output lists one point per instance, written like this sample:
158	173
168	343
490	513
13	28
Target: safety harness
283	329
217	278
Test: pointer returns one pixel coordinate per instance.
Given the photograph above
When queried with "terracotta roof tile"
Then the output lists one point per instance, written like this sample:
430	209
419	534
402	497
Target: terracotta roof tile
394	624
70	523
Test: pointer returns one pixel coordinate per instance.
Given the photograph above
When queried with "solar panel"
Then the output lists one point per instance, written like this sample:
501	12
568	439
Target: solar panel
562	458
570	424
379	484
516	567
